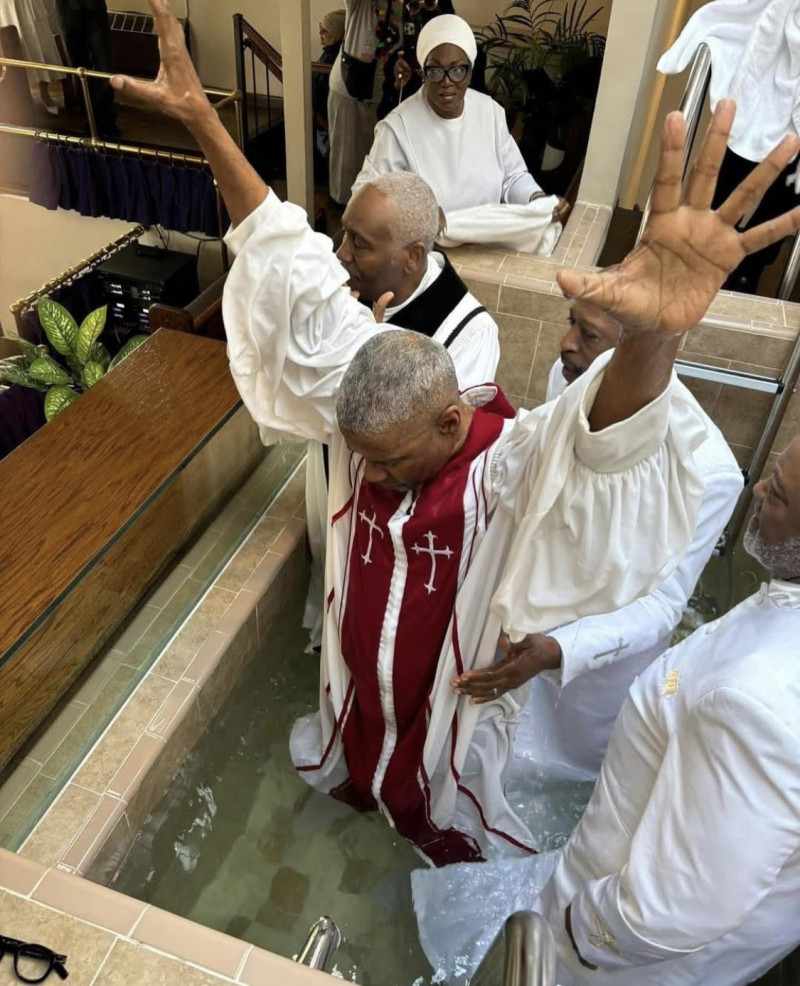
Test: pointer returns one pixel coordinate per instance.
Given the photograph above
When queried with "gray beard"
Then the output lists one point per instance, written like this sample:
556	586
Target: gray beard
781	560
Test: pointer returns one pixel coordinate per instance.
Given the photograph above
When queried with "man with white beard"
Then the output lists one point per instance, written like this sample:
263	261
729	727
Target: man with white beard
685	868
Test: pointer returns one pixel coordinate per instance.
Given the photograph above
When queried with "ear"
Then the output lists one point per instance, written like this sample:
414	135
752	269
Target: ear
417	256
450	420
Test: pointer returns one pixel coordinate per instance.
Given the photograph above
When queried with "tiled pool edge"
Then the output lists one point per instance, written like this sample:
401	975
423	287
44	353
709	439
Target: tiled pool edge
97	815
113	939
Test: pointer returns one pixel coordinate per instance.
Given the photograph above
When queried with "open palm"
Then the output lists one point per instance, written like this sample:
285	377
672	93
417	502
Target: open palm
687	250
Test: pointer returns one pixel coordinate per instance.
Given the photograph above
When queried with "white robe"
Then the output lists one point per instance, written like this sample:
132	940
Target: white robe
474	167
570	713
36	37
564	507
755	59
475	352
685	869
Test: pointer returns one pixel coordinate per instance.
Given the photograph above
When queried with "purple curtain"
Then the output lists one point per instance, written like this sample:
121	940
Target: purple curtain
104	183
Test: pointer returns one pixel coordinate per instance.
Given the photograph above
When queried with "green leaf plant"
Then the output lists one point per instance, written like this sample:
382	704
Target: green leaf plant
87	359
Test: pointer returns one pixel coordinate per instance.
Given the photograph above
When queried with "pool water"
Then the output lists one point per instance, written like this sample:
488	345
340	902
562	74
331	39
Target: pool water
240	843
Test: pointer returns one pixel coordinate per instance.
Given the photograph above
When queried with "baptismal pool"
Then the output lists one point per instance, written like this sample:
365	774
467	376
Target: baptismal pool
241	844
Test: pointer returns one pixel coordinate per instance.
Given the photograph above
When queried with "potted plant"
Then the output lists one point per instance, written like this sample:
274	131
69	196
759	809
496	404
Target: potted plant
543	62
80	360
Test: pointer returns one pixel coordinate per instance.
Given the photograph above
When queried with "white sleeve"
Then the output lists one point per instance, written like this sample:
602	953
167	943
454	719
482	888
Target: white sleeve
385	156
580	501
595	641
476	352
292	326
722	818
518	183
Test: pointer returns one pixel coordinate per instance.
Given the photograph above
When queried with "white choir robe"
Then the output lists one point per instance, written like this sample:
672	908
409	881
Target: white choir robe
565	506
685	868
570	713
475	169
475	353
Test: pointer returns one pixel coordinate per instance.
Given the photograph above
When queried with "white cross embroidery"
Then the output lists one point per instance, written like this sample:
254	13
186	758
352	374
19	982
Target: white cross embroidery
370	522
419	549
615	651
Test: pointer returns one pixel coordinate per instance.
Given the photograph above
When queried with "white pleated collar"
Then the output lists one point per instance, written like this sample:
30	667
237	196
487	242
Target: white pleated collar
783	594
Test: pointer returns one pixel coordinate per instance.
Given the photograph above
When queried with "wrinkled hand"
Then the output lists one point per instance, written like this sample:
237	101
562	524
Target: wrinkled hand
177	90
402	73
668	281
523	661
562	210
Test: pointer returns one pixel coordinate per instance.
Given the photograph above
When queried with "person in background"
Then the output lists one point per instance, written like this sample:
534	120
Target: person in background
30	19
754	49
458	141
403	76
352	99
87	38
580	673
331	32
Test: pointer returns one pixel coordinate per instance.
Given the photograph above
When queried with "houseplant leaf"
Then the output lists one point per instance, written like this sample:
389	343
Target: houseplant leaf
89	333
15	372
60	327
133	343
100	354
48	371
29	350
92	372
56	399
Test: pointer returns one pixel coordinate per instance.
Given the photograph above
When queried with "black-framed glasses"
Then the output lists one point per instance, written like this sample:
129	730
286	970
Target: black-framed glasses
32	963
413	7
456	73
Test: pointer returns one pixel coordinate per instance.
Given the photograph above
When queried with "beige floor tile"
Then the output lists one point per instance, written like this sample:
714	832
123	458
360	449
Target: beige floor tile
264	969
52	836
207	658
486	292
85	946
91	836
18	874
191	941
88	901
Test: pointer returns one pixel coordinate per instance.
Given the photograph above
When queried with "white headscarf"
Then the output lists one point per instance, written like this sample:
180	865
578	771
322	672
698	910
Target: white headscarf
446	29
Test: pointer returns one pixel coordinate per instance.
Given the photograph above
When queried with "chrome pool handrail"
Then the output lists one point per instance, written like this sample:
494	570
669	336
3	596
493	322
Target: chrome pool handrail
522	954
321	944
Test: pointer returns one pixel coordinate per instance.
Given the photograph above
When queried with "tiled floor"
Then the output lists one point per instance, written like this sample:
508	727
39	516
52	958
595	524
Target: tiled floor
92	703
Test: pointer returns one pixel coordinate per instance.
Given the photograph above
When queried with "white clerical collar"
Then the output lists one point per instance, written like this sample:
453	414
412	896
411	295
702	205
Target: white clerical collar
784	594
435	268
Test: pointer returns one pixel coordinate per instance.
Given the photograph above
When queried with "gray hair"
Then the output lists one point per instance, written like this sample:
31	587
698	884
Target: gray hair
417	214
395	377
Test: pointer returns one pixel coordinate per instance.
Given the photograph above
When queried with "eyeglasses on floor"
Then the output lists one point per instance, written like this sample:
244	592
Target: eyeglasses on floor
32	963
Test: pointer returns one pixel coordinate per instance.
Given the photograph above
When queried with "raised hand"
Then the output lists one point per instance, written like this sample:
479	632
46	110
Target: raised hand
177	90
525	659
668	281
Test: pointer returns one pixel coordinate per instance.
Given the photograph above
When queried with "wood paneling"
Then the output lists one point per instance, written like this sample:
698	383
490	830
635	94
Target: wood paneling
104	496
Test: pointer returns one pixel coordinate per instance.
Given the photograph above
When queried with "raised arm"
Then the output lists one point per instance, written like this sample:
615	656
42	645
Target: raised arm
178	92
665	285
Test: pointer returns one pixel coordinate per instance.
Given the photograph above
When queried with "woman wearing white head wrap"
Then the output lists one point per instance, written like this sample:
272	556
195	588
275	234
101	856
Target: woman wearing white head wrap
458	141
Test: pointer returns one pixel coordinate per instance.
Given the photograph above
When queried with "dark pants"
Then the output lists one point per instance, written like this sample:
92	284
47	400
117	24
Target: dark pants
779	198
87	38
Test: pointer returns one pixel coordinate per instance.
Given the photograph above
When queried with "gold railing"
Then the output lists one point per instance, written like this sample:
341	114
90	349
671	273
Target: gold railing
226	96
73	273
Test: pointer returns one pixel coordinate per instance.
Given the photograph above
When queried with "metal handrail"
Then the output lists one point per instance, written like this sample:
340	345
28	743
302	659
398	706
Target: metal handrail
320	946
522	954
691	106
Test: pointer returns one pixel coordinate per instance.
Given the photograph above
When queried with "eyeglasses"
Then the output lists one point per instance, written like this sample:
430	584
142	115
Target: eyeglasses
32	963
413	7
456	73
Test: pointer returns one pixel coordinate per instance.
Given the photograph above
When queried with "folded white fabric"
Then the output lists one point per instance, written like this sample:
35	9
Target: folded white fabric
527	228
